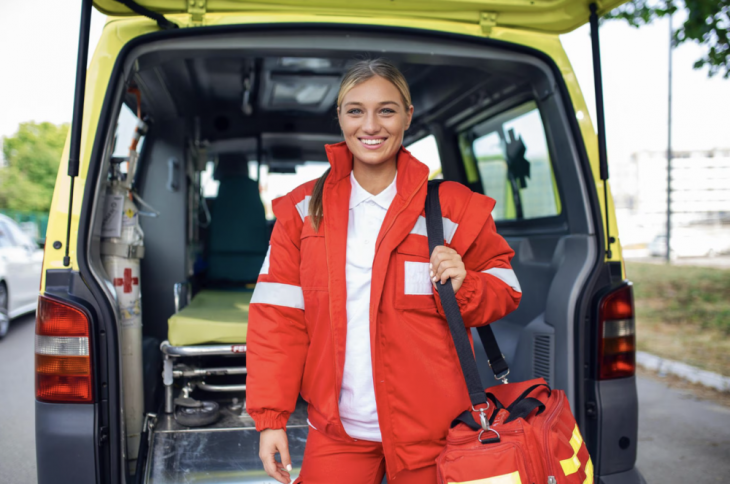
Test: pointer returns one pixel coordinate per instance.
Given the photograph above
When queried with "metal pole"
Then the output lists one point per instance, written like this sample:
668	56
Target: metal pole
669	142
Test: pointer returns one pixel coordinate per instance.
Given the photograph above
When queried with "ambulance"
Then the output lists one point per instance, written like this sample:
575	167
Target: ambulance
192	115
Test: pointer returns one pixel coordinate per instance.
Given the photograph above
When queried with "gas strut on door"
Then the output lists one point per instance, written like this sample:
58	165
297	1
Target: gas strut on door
75	147
600	122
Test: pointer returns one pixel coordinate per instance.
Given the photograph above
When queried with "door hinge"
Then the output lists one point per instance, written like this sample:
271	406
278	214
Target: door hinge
197	8
487	20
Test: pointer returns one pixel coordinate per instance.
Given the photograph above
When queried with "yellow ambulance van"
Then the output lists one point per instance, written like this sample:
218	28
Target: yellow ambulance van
193	114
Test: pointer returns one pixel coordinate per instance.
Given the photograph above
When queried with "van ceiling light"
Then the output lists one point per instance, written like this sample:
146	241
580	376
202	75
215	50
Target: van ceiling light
299	93
305	62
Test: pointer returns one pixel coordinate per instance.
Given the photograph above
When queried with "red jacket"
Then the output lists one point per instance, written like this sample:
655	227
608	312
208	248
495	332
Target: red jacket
298	321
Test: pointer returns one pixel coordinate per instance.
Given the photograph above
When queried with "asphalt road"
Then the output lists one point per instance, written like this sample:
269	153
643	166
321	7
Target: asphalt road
682	439
17	403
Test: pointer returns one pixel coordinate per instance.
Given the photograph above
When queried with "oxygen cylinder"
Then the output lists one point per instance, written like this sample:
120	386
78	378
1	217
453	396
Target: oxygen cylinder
121	249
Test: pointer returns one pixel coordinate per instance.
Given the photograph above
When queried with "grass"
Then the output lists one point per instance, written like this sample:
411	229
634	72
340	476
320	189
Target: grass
683	313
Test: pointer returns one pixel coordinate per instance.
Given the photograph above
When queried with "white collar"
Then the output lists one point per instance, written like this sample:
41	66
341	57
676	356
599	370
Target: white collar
359	195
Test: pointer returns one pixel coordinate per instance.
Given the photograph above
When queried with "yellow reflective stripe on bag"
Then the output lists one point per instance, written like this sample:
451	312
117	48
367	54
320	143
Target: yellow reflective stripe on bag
572	464
513	478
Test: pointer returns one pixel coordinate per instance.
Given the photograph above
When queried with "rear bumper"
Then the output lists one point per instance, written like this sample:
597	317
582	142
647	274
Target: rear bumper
632	476
64	436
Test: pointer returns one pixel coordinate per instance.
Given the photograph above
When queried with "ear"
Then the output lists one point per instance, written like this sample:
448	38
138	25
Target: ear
409	116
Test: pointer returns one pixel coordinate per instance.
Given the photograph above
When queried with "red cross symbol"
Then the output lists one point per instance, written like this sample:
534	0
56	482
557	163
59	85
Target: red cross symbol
127	281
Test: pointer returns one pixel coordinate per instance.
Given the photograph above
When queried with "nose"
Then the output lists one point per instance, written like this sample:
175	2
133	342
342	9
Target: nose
370	124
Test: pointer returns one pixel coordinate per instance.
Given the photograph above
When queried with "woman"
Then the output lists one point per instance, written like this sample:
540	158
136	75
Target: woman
346	312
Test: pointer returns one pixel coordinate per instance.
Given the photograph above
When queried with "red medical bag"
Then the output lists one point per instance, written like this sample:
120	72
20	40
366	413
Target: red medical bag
514	433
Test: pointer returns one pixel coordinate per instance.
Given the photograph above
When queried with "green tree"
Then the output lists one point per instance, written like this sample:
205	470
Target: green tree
32	155
707	23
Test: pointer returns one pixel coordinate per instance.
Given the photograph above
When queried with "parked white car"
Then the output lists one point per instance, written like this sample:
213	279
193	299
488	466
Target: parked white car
688	244
20	273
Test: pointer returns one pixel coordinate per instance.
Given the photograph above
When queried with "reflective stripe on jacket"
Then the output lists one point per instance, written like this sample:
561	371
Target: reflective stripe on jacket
298	320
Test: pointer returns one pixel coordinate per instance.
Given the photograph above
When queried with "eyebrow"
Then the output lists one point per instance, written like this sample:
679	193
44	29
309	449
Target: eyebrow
355	103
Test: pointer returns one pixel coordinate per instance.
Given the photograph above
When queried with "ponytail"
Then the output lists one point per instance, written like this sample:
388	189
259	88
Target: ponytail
315	203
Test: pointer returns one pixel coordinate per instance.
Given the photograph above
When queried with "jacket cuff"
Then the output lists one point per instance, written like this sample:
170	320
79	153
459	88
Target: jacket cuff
464	296
468	290
270	419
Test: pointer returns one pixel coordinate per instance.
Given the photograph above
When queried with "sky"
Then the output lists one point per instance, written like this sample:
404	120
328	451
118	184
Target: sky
39	58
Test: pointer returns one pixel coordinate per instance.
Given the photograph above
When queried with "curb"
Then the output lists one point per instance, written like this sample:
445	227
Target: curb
684	371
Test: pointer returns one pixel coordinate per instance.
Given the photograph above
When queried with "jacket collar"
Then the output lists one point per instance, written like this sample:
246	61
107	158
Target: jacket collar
411	172
359	195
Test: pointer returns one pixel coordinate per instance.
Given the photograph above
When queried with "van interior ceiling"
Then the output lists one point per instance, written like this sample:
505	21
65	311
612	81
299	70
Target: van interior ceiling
241	110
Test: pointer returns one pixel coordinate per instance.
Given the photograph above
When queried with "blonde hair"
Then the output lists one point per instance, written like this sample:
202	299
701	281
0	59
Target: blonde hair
360	72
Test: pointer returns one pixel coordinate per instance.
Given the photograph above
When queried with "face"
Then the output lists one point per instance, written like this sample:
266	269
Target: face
373	118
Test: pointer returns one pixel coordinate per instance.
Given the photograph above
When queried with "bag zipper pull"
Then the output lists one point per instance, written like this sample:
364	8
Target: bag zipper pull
552	480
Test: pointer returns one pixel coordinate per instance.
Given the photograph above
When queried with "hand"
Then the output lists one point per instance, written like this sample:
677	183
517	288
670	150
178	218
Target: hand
272	441
446	264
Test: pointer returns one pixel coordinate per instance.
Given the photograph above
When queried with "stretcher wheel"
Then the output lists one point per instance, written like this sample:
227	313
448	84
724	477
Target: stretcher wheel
205	414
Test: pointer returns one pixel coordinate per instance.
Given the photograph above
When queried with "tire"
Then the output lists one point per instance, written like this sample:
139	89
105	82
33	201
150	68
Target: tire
4	318
206	414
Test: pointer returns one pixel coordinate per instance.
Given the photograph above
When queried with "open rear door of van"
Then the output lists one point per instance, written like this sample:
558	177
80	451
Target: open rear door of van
553	16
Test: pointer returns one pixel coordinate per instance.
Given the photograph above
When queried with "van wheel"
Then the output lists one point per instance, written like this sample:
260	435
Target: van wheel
4	318
207	413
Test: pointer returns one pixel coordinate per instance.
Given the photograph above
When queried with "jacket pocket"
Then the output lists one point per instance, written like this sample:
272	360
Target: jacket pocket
313	262
414	289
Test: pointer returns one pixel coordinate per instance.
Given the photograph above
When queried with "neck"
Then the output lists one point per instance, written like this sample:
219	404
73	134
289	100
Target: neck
374	178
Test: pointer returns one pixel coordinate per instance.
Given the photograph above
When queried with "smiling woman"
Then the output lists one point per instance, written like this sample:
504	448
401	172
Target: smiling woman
364	252
374	109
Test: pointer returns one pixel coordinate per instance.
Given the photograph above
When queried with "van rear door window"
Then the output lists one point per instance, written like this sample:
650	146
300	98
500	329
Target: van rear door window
509	154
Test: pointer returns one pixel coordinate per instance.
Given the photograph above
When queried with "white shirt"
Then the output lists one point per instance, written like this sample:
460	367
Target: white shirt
358	411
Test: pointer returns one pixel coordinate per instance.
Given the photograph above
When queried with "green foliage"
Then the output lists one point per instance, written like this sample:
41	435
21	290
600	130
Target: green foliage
682	294
707	23
32	155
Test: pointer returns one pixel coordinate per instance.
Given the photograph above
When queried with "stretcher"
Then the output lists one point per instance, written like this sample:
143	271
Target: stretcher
209	438
213	323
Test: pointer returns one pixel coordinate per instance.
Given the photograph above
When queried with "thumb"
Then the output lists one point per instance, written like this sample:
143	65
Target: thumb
283	448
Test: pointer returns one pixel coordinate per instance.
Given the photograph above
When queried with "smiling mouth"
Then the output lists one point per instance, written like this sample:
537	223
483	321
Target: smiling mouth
373	142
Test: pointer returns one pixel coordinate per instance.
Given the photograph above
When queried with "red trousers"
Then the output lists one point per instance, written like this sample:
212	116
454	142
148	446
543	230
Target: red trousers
327	461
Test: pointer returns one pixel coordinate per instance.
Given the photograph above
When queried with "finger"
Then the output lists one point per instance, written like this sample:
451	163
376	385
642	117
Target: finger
272	468
283	448
449	273
444	265
437	261
438	253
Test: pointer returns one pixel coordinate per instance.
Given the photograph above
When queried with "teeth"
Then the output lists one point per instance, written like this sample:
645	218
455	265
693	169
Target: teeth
372	141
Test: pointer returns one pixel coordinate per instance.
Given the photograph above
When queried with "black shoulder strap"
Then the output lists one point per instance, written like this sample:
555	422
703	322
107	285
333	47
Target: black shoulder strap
435	230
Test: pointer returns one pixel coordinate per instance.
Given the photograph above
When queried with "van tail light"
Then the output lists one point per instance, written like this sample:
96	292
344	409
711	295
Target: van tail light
62	357
617	334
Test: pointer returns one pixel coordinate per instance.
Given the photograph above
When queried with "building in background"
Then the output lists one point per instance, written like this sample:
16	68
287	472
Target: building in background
700	197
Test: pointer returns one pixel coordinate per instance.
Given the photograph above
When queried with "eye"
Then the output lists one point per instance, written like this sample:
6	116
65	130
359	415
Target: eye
354	111
387	111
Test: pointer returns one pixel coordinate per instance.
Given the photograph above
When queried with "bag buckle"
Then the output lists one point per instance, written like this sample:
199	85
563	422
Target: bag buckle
492	440
484	421
502	376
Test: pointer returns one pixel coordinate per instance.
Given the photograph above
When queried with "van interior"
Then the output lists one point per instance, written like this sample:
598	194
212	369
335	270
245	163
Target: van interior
237	119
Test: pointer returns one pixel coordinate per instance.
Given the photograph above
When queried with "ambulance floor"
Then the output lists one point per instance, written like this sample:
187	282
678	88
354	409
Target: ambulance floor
224	452
213	316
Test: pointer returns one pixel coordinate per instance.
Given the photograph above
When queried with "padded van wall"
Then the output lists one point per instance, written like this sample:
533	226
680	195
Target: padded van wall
165	236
